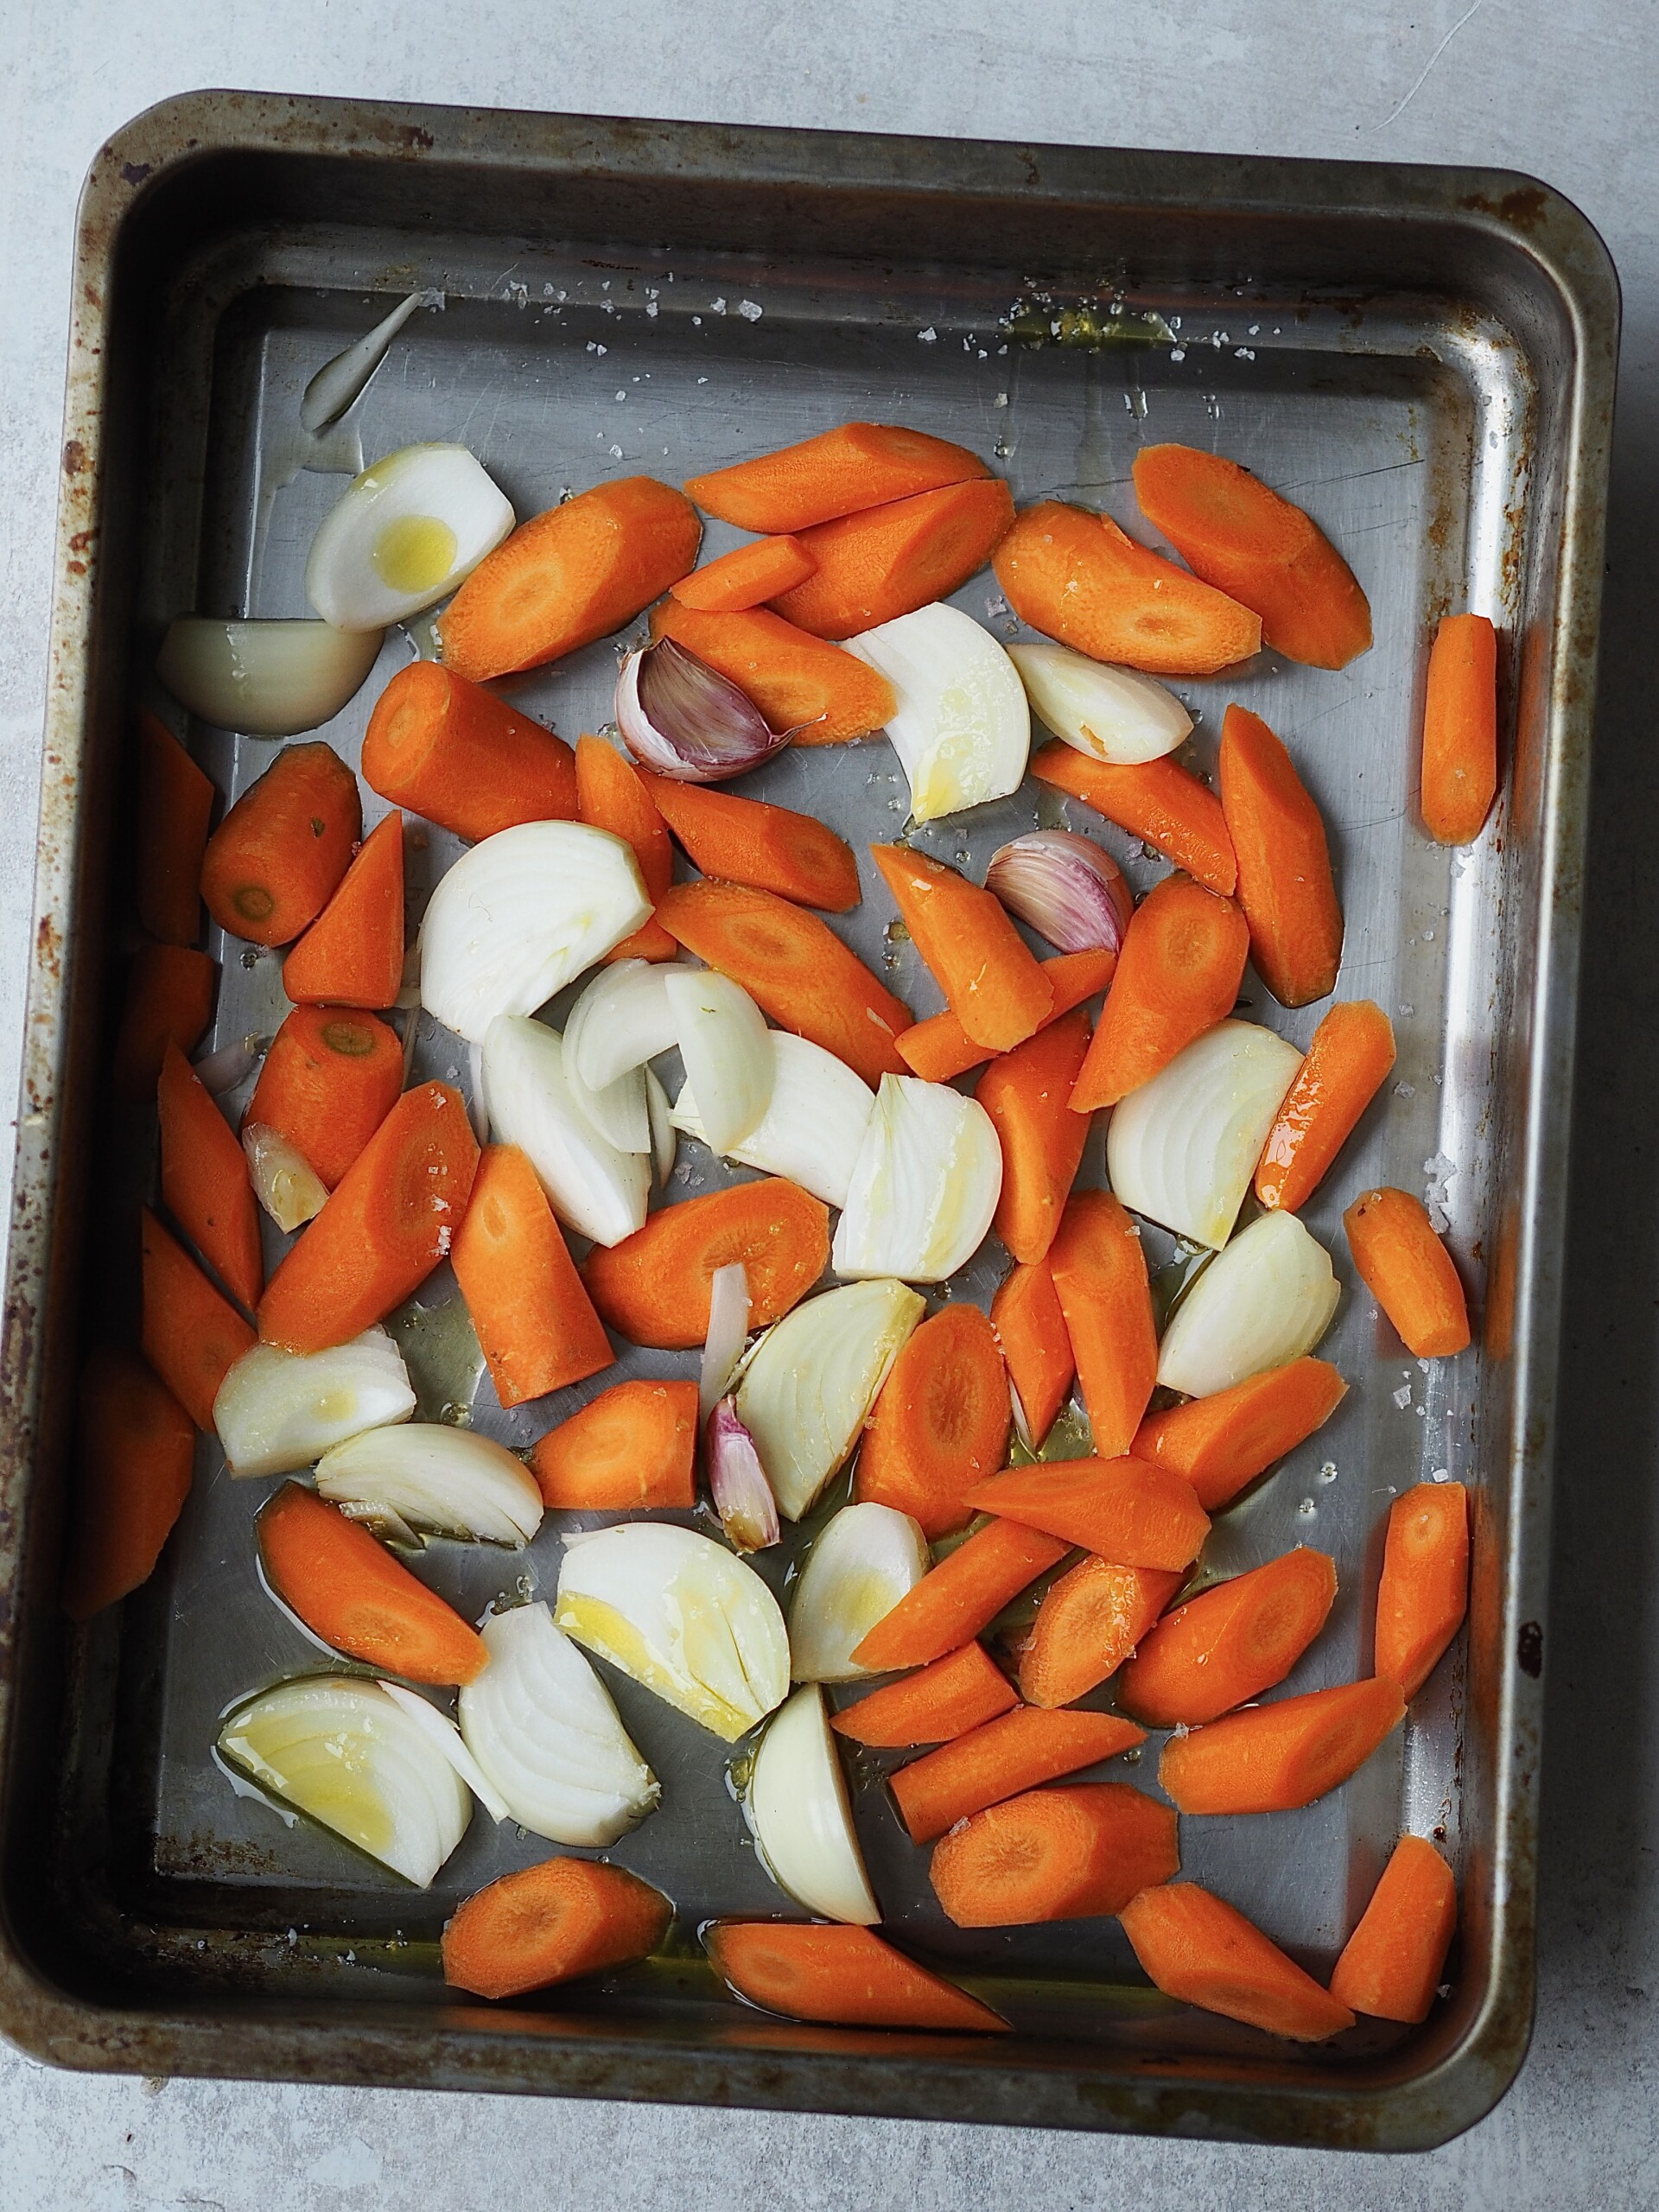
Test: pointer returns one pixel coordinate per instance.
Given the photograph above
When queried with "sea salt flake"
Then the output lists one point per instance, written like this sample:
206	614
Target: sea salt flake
751	310
1402	1396
928	337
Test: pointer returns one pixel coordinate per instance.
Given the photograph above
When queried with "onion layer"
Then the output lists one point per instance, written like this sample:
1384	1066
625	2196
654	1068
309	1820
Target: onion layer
924	1188
1110	714
446	1738
593	1187
278	1411
1182	1148
403	535
723	1041
622	1020
962	729
268	679
811	1131
867	1558
285	1183
439	1481
1264	1300
728	1329
802	1818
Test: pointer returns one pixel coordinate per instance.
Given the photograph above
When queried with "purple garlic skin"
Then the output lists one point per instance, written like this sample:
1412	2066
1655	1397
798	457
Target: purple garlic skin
1066	887
737	1481
683	719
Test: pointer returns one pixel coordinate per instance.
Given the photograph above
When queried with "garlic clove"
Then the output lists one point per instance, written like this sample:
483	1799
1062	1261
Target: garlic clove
681	718
737	1481
1066	887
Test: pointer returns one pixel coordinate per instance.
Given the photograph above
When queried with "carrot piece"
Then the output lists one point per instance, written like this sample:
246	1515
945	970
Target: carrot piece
1055	1855
1192	1946
840	471
1345	1066
846	1977
1028	1093
1285	884
946	1700
1423	1593
1031	1329
175	804
887	560
1223	1442
391	1218
747	841
535	1323
549	1923
654	1286
940	1047
1089	1623
133	1453
205	1179
1157	801
746	576
1230	1643
455	754
1391	1965
1100	1279
798	682
994	1761
630	1446
191	1335
612	794
569	576
1179	971
995	988
330	1079
170	1000
1124	1509
963	1594
352	954
941	1423
1273	1758
1460	763
1254	545
1409	1271
276	859
1075	576
349	1590
796	969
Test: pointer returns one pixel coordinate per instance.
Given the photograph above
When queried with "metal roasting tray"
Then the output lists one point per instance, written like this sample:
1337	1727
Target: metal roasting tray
1425	358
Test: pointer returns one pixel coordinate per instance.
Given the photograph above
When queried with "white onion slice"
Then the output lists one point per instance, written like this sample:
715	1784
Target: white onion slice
440	1481
1110	714
341	382
811	1380
403	535
478	1106
866	1559
924	1187
802	1818
728	1329
285	1183
622	1020
446	1738
682	1614
278	1411
381	1521
520	915
962	729
664	1143
266	679
723	1037
811	1131
617	1107
1181	1149
1262	1301
594	1188
542	1725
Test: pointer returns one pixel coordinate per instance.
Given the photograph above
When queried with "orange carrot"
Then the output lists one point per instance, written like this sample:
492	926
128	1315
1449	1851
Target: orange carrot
535	1323
963	1594
612	795
175	804
996	989
352	954
796	969
887	560
1089	1623
630	1446
191	1335
204	1180
1252	543
946	1700
941	1423
1055	1855
1157	801
1408	1272
748	841
569	576
1423	1593
276	859
1077	577
653	1287
1230	1643
1125	1510
1100	1279
1027	1092
330	1079
455	754
1459	765
747	576
840	471
847	1977
1013	1752
1345	1066
1031	1329
1194	1947
940	1047
1273	1758
134	1449
1285	884
797	681
170	1000
549	1923
1179	971
389	1220
1392	1963
1223	1442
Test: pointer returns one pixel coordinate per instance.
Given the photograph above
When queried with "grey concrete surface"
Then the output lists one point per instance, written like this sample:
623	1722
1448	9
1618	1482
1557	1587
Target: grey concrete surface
1565	90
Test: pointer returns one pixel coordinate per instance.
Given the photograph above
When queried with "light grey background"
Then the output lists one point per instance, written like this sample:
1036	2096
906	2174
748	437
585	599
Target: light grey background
1565	90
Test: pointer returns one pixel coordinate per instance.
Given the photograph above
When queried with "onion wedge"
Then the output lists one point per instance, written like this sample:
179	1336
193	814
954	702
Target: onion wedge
278	1411
802	1818
439	1481
268	679
866	1559
595	1188
1264	1300
616	1107
924	1187
723	1041
443	1734
285	1183
664	1142
962	729
811	1131
622	1020
1182	1148
1110	714
728	1329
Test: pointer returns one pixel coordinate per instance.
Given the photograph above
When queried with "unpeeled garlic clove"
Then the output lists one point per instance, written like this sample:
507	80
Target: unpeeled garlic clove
681	718
1066	887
